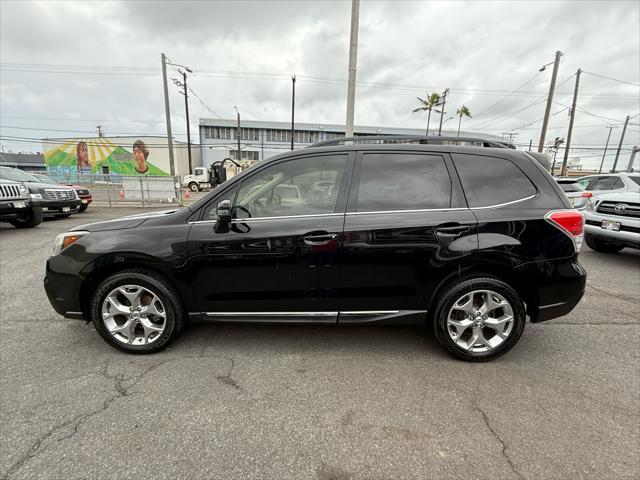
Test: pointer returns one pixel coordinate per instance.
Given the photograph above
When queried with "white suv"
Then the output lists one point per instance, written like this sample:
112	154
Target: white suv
612	222
611	182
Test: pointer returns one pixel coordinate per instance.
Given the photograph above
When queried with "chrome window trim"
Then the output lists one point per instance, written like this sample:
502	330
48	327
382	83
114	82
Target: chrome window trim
287	217
370	312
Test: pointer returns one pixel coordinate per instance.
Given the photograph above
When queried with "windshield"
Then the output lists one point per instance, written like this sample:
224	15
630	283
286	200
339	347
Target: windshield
16	175
45	179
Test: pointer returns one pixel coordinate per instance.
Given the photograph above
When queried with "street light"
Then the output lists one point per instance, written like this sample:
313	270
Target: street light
544	67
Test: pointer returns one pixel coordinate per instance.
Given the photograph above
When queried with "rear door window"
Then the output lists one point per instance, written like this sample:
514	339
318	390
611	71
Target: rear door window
402	181
605	183
491	181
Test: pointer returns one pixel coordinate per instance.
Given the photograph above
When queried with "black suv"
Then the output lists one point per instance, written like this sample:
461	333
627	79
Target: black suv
470	240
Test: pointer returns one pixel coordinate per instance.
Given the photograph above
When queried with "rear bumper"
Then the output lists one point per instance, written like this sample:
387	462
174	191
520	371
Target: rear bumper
559	287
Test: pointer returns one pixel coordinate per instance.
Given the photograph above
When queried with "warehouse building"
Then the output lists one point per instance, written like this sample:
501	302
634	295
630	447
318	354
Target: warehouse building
260	140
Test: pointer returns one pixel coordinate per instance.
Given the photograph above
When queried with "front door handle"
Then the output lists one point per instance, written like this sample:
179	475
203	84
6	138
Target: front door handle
452	230
320	239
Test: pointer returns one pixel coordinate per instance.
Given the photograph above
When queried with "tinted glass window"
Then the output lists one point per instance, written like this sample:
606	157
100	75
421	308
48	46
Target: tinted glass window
604	183
302	186
570	187
402	181
15	175
491	181
635	180
211	210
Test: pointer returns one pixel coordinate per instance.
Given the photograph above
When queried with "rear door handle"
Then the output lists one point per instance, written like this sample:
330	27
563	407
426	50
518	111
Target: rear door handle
320	239
452	231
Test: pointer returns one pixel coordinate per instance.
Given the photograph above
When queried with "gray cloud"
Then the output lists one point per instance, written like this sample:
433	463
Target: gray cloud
471	47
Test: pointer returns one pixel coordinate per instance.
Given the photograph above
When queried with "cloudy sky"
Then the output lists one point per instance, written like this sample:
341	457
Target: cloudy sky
67	67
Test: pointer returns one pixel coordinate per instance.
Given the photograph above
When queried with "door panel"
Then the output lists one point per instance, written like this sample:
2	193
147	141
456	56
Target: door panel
392	262
277	259
267	266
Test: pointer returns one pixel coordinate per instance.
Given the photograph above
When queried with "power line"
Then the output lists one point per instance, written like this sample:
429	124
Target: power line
612	79
508	95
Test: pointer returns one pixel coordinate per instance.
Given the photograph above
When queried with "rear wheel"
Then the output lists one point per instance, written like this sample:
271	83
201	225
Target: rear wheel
137	312
601	245
479	319
193	186
29	220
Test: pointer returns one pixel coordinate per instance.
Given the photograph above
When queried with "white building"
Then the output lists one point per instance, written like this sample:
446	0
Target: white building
260	140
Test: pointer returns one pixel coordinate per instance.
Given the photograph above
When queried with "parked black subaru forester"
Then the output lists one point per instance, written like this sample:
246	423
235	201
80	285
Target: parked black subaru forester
469	239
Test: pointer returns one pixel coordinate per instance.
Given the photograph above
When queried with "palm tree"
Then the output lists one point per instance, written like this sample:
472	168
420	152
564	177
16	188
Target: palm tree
463	111
427	105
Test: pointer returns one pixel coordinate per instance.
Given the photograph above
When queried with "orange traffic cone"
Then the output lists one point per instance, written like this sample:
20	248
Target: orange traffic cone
187	194
121	194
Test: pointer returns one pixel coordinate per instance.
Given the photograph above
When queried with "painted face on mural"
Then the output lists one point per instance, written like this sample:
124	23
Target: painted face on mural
82	154
140	154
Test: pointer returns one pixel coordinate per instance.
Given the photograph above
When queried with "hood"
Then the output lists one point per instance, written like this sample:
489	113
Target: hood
130	221
39	185
632	197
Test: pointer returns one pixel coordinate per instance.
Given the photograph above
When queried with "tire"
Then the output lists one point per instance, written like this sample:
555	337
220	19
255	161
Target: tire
172	324
600	245
194	187
83	207
454	295
32	219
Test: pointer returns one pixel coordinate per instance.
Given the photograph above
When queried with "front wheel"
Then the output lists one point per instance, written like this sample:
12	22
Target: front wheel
193	186
30	220
479	319
137	312
83	207
600	245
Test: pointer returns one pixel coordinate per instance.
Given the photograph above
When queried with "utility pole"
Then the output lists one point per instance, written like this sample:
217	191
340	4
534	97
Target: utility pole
530	143
605	148
239	157
547	111
293	106
99	127
624	130
353	63
186	108
167	115
565	160
634	150
444	101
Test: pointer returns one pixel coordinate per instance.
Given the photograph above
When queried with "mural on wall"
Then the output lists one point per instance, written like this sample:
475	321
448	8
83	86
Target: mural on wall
141	156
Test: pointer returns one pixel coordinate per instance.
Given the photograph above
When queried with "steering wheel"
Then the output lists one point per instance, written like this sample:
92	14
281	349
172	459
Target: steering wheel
240	207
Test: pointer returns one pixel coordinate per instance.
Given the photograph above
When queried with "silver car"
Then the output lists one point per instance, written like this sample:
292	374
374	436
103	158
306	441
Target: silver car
611	183
576	193
612	222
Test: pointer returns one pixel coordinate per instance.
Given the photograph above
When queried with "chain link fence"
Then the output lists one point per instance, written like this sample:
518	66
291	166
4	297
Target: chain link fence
129	190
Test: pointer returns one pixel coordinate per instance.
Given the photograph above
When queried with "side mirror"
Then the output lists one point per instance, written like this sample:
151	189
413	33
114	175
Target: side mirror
223	211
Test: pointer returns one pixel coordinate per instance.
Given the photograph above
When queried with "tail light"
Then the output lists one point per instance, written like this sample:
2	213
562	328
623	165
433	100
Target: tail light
586	195
569	222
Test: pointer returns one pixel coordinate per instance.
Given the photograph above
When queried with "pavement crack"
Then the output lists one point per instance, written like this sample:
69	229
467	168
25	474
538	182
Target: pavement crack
485	418
227	379
77	421
620	297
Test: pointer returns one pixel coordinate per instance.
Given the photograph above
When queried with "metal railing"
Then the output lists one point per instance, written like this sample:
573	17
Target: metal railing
127	190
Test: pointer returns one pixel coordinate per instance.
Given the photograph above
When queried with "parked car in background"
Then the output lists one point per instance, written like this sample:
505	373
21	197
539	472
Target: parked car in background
83	192
16	205
612	222
56	200
575	192
611	182
469	240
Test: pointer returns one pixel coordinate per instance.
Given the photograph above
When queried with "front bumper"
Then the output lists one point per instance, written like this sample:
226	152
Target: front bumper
55	207
14	208
628	235
63	291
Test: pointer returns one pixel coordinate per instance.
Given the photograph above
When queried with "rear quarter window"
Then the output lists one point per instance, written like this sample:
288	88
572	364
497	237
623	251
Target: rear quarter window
570	187
492	181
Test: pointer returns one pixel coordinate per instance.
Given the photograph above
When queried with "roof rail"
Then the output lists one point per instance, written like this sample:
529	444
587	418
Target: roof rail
421	139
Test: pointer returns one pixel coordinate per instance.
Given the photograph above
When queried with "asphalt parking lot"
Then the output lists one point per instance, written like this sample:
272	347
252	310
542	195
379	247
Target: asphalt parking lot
316	402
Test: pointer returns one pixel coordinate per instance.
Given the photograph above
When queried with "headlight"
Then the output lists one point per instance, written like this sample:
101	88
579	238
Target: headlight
36	196
63	240
590	205
23	190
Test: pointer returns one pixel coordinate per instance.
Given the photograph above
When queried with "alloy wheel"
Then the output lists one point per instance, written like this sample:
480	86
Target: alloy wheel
480	321
134	315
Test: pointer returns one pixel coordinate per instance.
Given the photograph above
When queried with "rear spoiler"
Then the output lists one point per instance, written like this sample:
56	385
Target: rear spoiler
542	158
